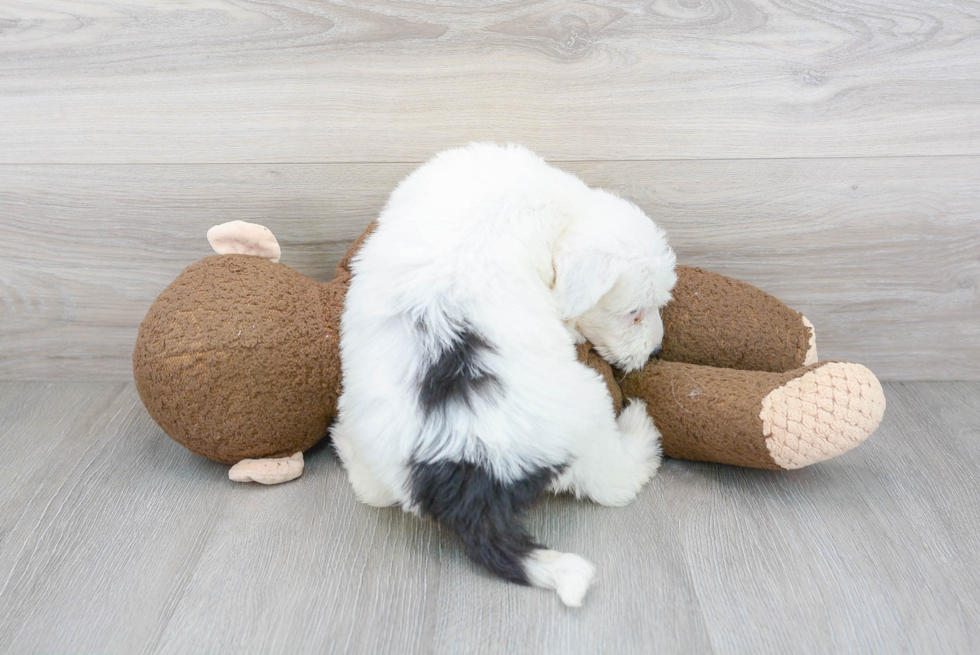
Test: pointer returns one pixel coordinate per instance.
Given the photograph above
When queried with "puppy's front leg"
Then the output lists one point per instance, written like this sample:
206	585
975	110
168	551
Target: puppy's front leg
613	464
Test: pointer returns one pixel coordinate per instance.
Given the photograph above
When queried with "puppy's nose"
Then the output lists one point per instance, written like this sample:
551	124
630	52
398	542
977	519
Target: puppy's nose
656	351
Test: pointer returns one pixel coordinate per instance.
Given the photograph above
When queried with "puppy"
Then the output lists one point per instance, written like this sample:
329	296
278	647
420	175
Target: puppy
463	399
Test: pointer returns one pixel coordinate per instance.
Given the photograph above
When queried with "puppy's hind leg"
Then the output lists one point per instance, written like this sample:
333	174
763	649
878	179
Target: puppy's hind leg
366	487
614	464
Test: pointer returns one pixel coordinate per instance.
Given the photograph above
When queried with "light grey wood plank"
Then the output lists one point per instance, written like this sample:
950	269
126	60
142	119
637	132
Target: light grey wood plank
34	421
98	543
303	567
90	81
169	557
643	600
940	426
94	247
868	553
883	255
127	543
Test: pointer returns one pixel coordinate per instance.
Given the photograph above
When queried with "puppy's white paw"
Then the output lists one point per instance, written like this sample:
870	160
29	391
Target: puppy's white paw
641	443
641	436
567	574
367	489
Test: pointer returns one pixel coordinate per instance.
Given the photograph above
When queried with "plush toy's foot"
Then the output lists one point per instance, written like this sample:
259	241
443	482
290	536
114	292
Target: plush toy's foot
241	238
759	419
825	412
272	470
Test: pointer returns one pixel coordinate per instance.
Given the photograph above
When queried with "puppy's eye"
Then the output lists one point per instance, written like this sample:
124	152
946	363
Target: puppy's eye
636	315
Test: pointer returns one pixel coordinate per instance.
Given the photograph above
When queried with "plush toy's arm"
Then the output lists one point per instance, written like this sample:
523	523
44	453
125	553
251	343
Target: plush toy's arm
718	321
756	418
751	418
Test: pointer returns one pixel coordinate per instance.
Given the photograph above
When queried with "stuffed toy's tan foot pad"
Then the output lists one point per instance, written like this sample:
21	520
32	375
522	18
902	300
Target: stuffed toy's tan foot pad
241	238
757	418
825	412
273	470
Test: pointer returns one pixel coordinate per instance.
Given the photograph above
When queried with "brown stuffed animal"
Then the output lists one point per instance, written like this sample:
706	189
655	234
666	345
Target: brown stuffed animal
238	360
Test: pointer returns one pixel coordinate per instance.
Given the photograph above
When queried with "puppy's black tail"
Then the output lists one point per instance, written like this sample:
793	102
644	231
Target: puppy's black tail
486	513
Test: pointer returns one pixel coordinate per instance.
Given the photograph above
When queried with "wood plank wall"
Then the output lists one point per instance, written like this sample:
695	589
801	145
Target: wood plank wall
828	151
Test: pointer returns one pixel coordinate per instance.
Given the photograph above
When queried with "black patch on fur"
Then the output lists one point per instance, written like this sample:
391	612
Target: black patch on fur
483	511
457	374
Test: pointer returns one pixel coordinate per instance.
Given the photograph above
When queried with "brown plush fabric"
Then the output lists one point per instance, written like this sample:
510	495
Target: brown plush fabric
332	300
342	272
708	414
718	321
233	363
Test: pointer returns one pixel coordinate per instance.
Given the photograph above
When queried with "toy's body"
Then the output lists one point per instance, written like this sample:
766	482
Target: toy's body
238	360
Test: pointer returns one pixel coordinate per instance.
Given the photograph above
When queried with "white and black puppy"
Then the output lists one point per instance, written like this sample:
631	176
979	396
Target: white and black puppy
463	399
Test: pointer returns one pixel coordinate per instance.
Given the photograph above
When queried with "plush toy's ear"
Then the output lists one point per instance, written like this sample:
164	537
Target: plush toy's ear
241	238
583	275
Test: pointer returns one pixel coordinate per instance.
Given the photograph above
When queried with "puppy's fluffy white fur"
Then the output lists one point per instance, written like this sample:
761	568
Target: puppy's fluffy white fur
463	397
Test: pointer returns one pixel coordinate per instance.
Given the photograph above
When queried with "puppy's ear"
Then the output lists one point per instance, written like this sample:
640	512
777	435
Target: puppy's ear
583	276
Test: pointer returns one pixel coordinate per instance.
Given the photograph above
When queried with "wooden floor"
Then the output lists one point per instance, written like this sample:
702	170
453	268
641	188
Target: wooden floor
113	539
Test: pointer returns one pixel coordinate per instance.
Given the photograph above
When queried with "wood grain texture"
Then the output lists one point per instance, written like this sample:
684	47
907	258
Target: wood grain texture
28	451
883	255
95	544
831	554
92	81
125	542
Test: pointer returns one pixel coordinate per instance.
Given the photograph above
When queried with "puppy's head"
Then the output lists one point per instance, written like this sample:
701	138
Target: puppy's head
613	273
